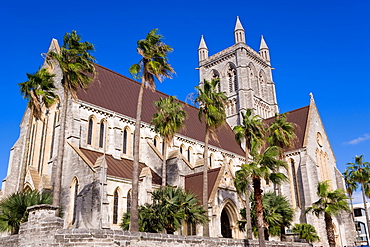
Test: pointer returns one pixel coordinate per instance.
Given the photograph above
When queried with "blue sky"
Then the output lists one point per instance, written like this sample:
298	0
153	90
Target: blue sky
316	46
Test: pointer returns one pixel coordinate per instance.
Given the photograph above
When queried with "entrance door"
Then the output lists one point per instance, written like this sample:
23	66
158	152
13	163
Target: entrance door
225	225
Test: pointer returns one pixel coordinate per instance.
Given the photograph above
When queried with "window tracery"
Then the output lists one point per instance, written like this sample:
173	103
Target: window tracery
233	80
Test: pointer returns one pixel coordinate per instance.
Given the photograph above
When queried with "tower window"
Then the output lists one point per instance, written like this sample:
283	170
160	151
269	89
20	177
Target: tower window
233	80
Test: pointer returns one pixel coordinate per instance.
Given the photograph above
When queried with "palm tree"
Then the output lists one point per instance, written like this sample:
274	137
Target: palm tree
168	120
306	231
78	70
212	112
359	172
153	64
250	129
38	91
281	133
351	186
330	203
170	208
13	209
278	214
265	166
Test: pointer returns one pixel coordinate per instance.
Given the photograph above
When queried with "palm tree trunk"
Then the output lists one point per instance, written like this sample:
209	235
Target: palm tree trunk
248	215
330	230
22	176
247	201
134	211
259	211
164	171
59	161
365	206
205	181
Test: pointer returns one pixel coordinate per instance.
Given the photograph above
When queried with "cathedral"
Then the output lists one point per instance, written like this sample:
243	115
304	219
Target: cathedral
98	143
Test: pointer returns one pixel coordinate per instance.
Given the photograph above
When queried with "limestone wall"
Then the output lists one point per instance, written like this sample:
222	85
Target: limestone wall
45	229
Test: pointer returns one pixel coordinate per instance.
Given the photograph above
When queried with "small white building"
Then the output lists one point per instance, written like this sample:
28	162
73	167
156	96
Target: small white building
360	223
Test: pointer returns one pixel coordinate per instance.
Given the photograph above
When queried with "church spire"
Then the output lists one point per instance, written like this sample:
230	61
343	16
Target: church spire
239	32
202	50
264	50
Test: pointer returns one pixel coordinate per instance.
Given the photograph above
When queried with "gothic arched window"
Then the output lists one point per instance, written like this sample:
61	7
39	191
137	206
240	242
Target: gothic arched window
295	183
102	134
90	131
129	201
233	80
73	200
211	161
124	148
189	154
115	207
216	75
262	82
156	142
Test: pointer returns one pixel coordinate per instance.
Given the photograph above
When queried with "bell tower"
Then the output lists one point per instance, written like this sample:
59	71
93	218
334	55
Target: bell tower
245	76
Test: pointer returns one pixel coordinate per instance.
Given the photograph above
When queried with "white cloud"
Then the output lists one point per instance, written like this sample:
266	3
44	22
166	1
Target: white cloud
359	139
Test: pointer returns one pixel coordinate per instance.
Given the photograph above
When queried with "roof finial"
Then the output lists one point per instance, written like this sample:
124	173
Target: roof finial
311	96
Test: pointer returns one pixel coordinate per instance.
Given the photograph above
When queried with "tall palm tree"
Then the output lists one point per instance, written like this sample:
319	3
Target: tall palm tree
169	119
212	112
13	208
39	91
351	186
330	203
359	172
153	64
266	166
250	130
77	65
281	133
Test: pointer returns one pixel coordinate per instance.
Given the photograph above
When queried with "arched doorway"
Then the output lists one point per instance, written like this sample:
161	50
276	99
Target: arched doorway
225	225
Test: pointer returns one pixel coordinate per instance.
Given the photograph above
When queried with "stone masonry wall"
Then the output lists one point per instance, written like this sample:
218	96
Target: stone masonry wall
44	229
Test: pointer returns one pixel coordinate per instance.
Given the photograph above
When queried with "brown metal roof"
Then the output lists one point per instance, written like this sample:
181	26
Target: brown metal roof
194	183
118	93
119	168
300	118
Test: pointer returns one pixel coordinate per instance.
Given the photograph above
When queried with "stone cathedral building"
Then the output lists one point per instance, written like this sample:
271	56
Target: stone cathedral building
98	158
